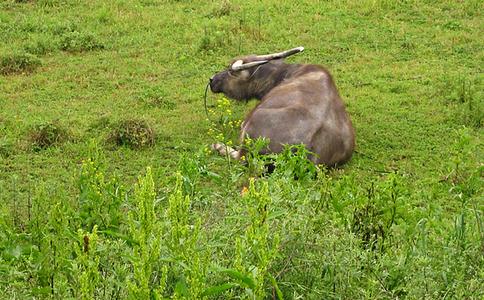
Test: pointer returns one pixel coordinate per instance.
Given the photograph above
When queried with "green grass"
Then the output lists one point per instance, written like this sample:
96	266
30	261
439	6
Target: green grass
403	219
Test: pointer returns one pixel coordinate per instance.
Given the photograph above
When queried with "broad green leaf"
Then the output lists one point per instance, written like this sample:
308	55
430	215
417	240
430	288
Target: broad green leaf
276	287
246	280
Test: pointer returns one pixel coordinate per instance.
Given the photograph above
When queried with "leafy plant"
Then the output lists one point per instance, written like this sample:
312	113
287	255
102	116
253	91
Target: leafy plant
100	198
294	162
258	248
224	126
183	246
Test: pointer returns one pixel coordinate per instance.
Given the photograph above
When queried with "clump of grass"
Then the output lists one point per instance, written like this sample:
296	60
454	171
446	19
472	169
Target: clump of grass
76	41
470	105
105	16
16	63
133	133
368	224
466	98
6	149
46	135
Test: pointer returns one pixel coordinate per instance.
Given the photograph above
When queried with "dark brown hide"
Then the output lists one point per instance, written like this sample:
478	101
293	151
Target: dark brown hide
299	104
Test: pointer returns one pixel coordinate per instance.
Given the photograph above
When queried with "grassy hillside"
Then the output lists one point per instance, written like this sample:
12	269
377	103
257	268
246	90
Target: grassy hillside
94	92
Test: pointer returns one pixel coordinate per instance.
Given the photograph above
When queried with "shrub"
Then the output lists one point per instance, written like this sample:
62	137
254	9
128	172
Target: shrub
18	63
133	133
48	134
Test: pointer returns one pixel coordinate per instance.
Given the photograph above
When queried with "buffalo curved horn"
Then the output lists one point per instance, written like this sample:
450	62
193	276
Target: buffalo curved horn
280	54
239	64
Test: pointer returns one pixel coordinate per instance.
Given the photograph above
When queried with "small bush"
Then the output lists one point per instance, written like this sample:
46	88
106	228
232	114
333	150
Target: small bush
133	133
48	134
79	42
18	63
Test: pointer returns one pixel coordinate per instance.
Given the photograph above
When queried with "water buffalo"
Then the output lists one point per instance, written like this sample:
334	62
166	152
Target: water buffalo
299	103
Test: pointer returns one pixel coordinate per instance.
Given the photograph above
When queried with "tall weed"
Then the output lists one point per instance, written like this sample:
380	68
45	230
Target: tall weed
146	232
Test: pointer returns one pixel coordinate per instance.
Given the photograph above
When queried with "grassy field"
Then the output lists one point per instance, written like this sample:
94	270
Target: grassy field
108	190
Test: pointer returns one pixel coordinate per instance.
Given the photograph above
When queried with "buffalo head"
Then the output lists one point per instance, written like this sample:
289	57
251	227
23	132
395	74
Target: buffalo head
251	76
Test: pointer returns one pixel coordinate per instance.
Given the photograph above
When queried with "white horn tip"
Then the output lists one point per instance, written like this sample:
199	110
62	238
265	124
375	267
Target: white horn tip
237	64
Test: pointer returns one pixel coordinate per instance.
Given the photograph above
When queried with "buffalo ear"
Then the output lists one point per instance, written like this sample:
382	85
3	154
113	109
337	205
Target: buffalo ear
244	74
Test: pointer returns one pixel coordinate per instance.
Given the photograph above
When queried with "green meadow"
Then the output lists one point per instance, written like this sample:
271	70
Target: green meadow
109	190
